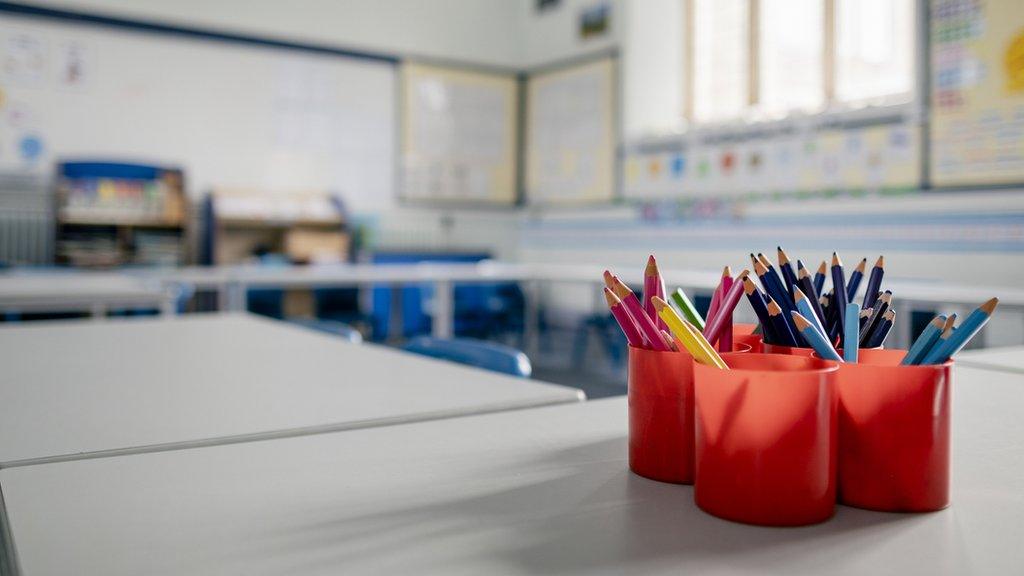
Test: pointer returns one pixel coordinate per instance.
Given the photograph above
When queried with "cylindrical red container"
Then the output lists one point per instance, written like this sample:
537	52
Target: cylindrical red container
785	350
744	334
765	439
894	433
661	413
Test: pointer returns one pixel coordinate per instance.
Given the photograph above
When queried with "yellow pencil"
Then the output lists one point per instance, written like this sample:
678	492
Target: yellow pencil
694	342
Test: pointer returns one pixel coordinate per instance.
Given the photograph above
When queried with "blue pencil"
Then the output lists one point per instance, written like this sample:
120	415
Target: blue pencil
878	337
839	291
803	305
787	271
819	278
874	283
852	336
855	278
816	339
925	341
781	327
971	325
760	308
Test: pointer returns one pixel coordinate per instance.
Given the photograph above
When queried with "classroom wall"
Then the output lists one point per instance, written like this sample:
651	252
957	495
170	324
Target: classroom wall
476	30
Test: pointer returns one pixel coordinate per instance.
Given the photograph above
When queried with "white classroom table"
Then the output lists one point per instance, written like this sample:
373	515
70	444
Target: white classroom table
80	389
1009	359
541	491
232	282
92	292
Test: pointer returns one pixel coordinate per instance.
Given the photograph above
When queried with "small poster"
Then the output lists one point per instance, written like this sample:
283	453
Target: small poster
24	59
74	67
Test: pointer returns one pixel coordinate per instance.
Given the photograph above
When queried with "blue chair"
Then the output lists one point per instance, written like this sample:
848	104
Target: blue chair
486	355
332	327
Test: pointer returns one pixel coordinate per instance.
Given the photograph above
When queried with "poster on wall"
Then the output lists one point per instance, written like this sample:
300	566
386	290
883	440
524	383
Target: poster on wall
459	135
977	132
571	135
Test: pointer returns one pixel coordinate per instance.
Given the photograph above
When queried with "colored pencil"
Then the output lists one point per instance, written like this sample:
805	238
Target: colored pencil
807	285
716	297
881	306
724	339
787	270
652	336
653	286
865	315
839	291
773	289
975	321
688	336
757	302
625	321
779	324
855	278
669	341
687	308
816	339
874	283
803	305
713	331
878	337
773	274
819	277
609	279
852	337
924	341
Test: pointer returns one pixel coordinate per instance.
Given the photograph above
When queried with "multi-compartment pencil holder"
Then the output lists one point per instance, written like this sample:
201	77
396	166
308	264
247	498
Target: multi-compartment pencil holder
661	408
766	439
894	433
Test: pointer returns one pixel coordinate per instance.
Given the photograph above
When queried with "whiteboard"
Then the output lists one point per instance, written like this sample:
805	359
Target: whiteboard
459	140
977	93
571	134
233	116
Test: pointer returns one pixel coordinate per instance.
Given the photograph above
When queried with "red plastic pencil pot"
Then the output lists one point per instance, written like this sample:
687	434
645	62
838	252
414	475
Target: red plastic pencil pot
744	334
661	415
894	433
743	329
765	439
769	348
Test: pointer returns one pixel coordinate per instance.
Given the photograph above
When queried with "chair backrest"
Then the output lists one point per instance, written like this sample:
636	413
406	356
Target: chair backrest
486	355
332	327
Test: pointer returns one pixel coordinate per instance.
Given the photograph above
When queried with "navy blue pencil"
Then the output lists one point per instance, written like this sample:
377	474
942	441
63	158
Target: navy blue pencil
855	278
760	308
874	283
881	307
805	283
819	278
839	291
882	330
787	271
782	328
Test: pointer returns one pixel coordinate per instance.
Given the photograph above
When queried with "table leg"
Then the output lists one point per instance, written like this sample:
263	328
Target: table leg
444	309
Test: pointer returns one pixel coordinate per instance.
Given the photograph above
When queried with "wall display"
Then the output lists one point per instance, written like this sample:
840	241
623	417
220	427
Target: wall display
230	114
977	135
805	160
571	134
459	138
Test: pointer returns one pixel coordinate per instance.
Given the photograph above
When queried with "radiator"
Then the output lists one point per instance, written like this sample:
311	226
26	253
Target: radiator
26	220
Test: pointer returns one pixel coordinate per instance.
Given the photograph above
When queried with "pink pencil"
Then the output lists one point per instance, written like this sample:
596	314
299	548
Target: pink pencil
652	336
716	298
629	328
725	334
713	329
653	286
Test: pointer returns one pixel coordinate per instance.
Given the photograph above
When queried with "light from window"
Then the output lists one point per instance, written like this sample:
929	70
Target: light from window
874	49
791	56
720	59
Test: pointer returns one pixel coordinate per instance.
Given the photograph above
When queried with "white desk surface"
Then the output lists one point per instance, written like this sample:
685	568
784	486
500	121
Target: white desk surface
71	389
541	491
1009	359
51	291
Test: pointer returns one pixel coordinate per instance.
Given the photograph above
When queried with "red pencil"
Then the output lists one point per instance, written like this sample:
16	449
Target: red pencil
629	327
652	336
713	329
653	286
725	334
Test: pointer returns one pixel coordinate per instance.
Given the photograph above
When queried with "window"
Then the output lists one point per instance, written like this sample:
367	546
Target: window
874	49
774	57
720	65
791	48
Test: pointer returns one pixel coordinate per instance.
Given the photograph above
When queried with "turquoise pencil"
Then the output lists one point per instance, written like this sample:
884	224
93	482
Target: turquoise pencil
925	341
803	306
971	325
815	339
852	336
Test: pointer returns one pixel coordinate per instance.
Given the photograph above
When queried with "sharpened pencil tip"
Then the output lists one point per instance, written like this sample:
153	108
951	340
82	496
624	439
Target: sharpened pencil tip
835	260
659	304
823	268
990	306
611	298
652	267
